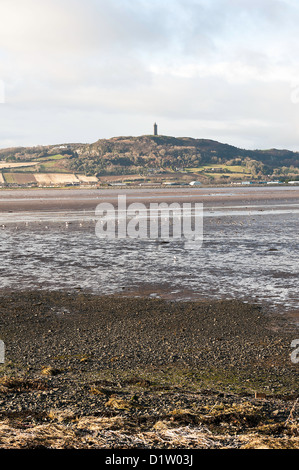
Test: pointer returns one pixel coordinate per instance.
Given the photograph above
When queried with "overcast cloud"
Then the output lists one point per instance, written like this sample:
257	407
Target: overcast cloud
78	71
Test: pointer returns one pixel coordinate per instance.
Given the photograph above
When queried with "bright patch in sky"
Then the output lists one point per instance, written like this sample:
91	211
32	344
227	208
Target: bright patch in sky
73	71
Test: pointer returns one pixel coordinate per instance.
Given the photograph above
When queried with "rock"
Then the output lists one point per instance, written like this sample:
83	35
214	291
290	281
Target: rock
260	395
118	404
51	371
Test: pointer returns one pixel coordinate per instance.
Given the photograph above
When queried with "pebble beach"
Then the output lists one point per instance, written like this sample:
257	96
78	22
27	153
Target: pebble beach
116	362
144	372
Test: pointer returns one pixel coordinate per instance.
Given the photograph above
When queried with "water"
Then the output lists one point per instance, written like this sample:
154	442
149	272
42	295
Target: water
248	253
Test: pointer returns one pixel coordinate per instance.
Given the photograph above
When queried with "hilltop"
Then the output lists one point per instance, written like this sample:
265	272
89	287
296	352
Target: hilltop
153	158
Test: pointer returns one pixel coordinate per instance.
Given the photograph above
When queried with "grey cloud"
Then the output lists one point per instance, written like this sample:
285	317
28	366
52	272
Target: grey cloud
229	62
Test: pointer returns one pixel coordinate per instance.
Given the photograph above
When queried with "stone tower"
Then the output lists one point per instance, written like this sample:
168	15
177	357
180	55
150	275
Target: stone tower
155	129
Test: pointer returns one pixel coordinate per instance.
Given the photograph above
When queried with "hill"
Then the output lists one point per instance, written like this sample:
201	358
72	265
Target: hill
155	157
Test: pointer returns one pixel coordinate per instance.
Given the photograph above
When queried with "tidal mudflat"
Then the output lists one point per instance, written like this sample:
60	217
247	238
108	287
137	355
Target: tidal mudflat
249	251
142	344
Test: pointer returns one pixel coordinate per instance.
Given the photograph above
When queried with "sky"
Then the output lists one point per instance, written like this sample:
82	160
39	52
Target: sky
74	71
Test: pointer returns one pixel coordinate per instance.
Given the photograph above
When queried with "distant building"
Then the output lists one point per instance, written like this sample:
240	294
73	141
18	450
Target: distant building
155	129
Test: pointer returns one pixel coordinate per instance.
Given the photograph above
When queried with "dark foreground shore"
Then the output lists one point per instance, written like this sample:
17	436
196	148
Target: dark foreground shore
85	371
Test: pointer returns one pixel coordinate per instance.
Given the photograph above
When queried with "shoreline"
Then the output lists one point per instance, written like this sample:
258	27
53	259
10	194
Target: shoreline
90	371
144	367
88	199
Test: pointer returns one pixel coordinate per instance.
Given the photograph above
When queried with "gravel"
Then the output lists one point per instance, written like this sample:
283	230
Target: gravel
73	350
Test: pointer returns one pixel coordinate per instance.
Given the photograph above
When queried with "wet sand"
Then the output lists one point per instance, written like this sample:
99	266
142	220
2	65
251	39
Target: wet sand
88	199
245	238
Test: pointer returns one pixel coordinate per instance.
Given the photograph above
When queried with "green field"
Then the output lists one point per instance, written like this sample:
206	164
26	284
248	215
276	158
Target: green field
51	157
50	165
9	178
226	168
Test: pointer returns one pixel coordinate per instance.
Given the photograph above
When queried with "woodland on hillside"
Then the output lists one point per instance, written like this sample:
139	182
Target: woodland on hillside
148	155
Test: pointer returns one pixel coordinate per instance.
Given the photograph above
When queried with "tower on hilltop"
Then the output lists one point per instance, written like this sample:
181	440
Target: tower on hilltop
155	129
